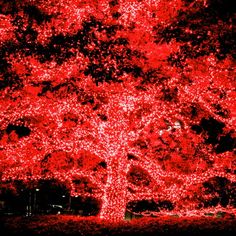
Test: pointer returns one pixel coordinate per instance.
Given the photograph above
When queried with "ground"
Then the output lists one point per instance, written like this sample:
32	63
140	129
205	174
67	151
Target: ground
81	226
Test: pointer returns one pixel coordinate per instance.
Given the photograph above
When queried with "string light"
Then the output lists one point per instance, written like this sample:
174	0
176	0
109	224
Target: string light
87	143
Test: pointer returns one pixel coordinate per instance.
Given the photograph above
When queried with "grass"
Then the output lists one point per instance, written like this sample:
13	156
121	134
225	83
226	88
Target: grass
58	225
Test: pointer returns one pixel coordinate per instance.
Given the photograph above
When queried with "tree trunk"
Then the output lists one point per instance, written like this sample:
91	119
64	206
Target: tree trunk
114	199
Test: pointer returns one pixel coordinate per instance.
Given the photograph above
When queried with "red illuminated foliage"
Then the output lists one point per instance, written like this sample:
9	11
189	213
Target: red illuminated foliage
124	100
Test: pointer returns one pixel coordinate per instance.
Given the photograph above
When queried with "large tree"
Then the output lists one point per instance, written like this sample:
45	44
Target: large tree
119	107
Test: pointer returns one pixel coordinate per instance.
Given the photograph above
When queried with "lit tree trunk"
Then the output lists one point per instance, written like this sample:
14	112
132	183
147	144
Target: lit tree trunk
114	199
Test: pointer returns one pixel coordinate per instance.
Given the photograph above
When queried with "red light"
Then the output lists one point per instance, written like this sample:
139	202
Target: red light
84	128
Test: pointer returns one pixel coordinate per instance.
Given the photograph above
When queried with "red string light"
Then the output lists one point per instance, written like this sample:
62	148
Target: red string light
78	137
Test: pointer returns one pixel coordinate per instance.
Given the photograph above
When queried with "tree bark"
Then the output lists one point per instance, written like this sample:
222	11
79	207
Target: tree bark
114	199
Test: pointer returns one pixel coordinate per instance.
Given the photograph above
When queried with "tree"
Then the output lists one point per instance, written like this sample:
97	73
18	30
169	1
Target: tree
113	120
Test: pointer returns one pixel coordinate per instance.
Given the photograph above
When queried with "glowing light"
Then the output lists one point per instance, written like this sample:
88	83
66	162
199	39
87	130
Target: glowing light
93	135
